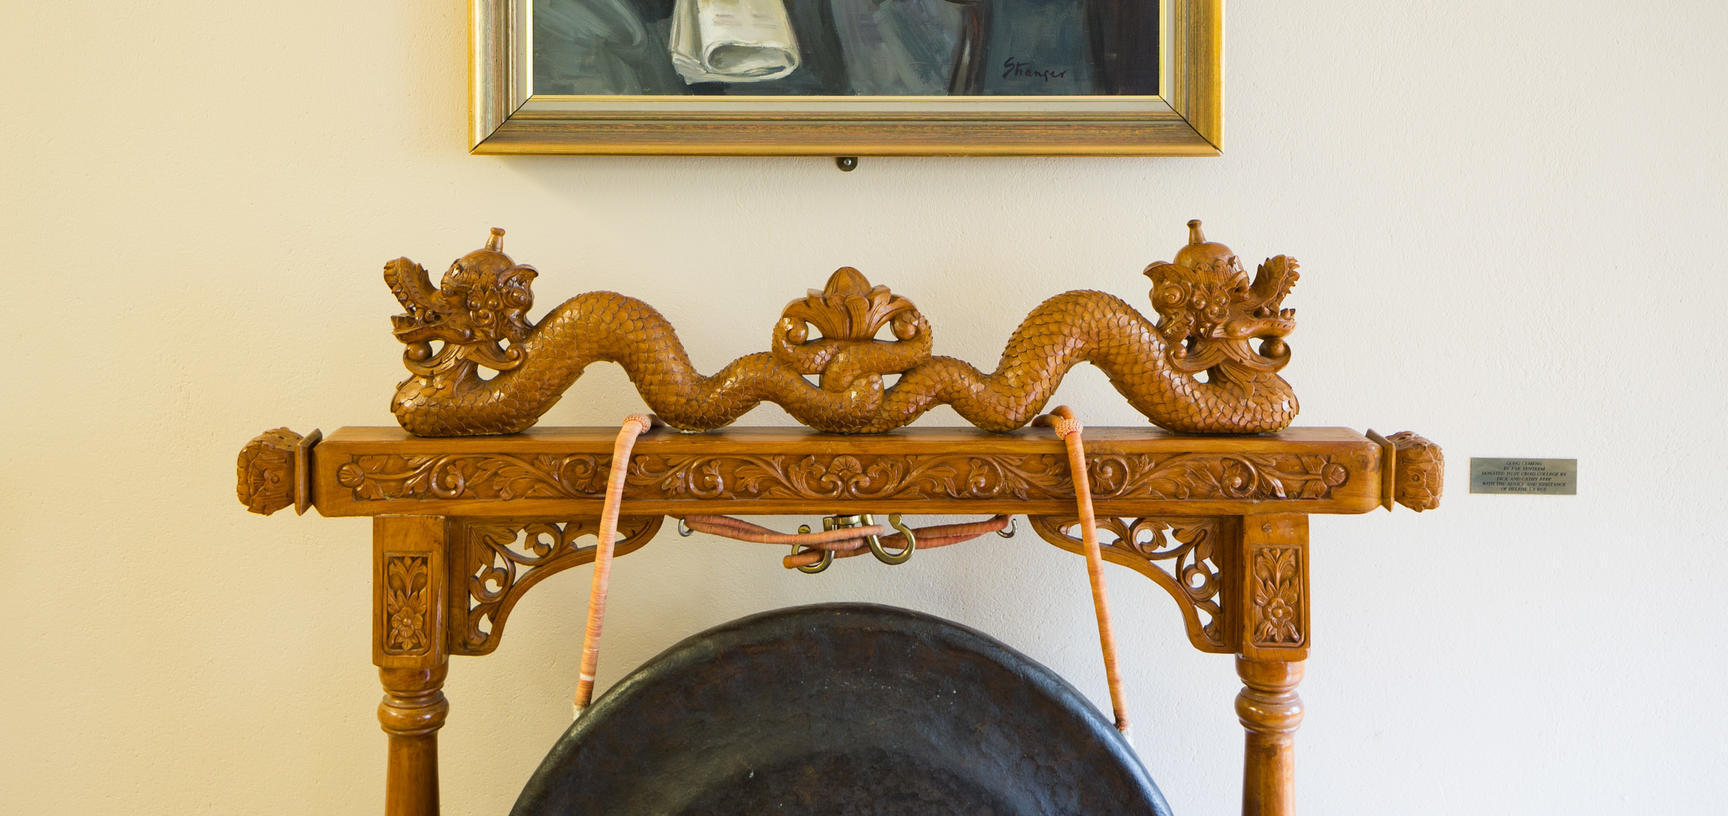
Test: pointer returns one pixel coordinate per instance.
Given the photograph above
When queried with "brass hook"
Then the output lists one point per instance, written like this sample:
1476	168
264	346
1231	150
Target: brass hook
684	529
875	542
1007	532
827	555
881	553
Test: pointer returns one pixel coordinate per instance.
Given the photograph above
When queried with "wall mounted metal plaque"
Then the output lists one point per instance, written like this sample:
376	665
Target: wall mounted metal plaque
1536	477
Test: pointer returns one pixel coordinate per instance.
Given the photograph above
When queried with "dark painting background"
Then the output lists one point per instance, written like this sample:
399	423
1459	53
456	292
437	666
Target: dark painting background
865	47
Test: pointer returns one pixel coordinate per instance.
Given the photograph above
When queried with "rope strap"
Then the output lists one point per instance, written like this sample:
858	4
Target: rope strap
635	425
1066	426
846	541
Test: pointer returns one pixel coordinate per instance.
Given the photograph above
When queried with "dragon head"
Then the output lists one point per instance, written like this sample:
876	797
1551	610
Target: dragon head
482	300
1211	313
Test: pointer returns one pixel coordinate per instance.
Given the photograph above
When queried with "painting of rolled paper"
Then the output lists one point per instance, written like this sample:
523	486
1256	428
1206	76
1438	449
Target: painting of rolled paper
732	40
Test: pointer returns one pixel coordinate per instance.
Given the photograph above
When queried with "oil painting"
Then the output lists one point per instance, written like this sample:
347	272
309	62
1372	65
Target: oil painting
847	77
846	47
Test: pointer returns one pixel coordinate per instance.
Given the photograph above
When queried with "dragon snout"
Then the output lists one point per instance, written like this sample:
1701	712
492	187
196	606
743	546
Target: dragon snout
1262	325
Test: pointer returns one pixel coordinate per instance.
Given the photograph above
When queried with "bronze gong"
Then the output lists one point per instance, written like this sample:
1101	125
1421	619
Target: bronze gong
841	709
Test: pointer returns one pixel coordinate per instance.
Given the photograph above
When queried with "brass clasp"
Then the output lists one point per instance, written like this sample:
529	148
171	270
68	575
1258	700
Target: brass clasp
827	555
893	558
875	542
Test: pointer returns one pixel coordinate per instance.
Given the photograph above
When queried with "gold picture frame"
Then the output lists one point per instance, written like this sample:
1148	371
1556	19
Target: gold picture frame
1184	119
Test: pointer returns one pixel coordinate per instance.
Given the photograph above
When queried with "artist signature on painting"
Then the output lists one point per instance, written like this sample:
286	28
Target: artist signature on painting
1016	68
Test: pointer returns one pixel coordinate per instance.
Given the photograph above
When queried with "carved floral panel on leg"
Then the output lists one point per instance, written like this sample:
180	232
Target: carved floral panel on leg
407	584
1272	588
1276	594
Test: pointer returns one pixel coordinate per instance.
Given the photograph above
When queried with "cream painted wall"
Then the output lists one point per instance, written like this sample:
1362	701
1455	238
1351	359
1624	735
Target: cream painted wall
1505	213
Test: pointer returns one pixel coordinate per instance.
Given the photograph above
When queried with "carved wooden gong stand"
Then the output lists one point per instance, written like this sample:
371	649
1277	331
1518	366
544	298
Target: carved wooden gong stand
471	510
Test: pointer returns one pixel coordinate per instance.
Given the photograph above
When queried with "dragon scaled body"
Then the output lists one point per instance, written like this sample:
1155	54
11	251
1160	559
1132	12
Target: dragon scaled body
1209	365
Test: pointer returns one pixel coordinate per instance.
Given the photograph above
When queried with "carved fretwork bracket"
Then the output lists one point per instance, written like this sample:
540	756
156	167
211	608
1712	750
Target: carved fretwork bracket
495	561
1182	555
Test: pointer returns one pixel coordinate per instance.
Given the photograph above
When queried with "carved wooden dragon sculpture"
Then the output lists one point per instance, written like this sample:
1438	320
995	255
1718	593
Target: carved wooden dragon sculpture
1212	319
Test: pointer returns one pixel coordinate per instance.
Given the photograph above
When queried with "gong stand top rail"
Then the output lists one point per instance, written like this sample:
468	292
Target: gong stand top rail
776	471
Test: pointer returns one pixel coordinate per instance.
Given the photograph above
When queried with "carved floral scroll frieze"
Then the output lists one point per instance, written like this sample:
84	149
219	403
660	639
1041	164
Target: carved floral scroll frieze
498	561
1187	476
848	476
1180	477
474	476
407	603
1180	555
1276	592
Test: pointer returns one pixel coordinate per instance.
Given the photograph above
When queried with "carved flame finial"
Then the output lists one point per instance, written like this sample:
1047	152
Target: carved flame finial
1202	255
846	282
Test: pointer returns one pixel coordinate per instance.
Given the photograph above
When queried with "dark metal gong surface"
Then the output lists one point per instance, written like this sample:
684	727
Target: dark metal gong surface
841	709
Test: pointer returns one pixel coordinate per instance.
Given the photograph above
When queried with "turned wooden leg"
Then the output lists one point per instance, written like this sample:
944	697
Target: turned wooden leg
413	710
410	648
1271	588
1270	712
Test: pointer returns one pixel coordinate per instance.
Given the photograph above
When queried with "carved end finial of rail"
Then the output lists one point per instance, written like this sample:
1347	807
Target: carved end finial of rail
1420	472
273	471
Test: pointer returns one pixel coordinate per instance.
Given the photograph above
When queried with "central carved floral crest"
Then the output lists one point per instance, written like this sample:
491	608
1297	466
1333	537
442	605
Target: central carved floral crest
848	313
849	308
